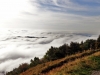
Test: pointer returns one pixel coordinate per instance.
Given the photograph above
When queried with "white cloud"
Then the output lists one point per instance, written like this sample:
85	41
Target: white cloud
17	50
52	14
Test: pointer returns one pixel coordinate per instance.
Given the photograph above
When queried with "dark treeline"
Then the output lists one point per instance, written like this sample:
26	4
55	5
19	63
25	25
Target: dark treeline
55	53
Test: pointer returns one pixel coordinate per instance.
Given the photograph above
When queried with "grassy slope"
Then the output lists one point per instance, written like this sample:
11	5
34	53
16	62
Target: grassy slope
81	66
77	64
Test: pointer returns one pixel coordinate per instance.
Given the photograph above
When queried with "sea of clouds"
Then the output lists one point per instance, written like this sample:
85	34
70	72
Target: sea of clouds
20	45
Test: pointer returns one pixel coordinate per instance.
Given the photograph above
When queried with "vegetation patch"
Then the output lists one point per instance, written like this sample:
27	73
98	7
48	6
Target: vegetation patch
57	57
86	67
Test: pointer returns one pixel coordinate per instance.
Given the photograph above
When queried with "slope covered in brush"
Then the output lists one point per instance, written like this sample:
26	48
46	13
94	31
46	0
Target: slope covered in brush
56	53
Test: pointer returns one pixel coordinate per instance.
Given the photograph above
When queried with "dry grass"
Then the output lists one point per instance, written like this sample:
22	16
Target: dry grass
68	68
63	66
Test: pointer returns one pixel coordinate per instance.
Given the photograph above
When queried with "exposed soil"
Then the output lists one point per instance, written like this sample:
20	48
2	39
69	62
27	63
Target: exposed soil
95	73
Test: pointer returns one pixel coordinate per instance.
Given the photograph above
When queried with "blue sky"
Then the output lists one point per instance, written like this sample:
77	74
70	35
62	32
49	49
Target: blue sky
79	7
75	15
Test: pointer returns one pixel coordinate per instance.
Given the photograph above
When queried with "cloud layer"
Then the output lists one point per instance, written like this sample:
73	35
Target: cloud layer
77	16
20	49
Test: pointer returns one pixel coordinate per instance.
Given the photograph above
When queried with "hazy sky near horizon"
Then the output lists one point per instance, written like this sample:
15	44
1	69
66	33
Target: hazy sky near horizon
81	15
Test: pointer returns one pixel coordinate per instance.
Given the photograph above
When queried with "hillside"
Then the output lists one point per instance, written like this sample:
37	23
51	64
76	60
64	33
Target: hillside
74	59
78	64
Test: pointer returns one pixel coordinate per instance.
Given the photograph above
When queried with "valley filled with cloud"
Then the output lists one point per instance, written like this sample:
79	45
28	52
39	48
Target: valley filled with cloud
17	48
28	28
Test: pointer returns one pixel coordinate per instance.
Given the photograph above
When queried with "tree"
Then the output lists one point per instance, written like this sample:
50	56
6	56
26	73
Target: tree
75	47
23	67
56	53
97	44
89	44
65	50
51	54
35	62
98	39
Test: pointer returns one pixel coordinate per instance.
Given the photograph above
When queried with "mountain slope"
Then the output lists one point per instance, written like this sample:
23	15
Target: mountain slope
66	66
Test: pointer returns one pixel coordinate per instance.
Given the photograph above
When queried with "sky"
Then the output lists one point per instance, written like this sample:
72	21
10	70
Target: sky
64	15
72	15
